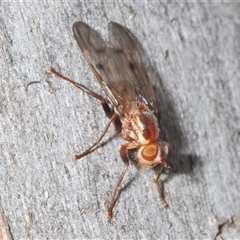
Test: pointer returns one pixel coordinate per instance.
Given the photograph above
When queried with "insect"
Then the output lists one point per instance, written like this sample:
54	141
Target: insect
120	71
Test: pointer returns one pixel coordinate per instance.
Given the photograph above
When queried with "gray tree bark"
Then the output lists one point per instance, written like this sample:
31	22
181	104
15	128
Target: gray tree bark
191	51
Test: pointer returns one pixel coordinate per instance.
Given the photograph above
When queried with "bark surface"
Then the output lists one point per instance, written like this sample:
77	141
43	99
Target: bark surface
191	51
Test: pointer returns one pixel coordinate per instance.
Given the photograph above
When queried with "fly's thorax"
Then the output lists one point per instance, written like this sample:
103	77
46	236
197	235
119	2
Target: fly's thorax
153	154
145	126
139	124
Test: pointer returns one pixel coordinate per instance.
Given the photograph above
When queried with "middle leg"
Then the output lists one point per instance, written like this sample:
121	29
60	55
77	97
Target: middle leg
108	111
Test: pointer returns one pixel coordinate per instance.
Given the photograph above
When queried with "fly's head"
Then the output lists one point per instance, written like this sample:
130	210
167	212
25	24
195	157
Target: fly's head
153	154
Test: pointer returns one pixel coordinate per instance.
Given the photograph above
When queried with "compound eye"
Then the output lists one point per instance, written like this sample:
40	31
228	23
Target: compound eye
150	152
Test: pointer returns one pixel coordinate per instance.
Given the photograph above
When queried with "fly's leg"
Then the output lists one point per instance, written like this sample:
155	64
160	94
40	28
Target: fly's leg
108	111
86	152
159	188
123	153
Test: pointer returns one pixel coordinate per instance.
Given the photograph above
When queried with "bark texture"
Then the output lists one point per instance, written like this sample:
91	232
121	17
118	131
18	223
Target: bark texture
191	51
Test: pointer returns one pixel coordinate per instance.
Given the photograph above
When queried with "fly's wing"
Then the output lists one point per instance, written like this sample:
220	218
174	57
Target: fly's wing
93	48
109	65
121	39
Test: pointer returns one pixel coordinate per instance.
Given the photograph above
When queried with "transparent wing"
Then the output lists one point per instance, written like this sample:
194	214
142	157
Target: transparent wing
112	67
94	49
121	39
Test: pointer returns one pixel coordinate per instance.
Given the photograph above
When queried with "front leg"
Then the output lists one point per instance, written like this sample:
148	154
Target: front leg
124	156
159	188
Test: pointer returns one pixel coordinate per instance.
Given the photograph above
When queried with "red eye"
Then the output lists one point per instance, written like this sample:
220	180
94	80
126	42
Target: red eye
150	152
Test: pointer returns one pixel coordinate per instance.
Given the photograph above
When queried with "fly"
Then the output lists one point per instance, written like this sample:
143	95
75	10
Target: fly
120	71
